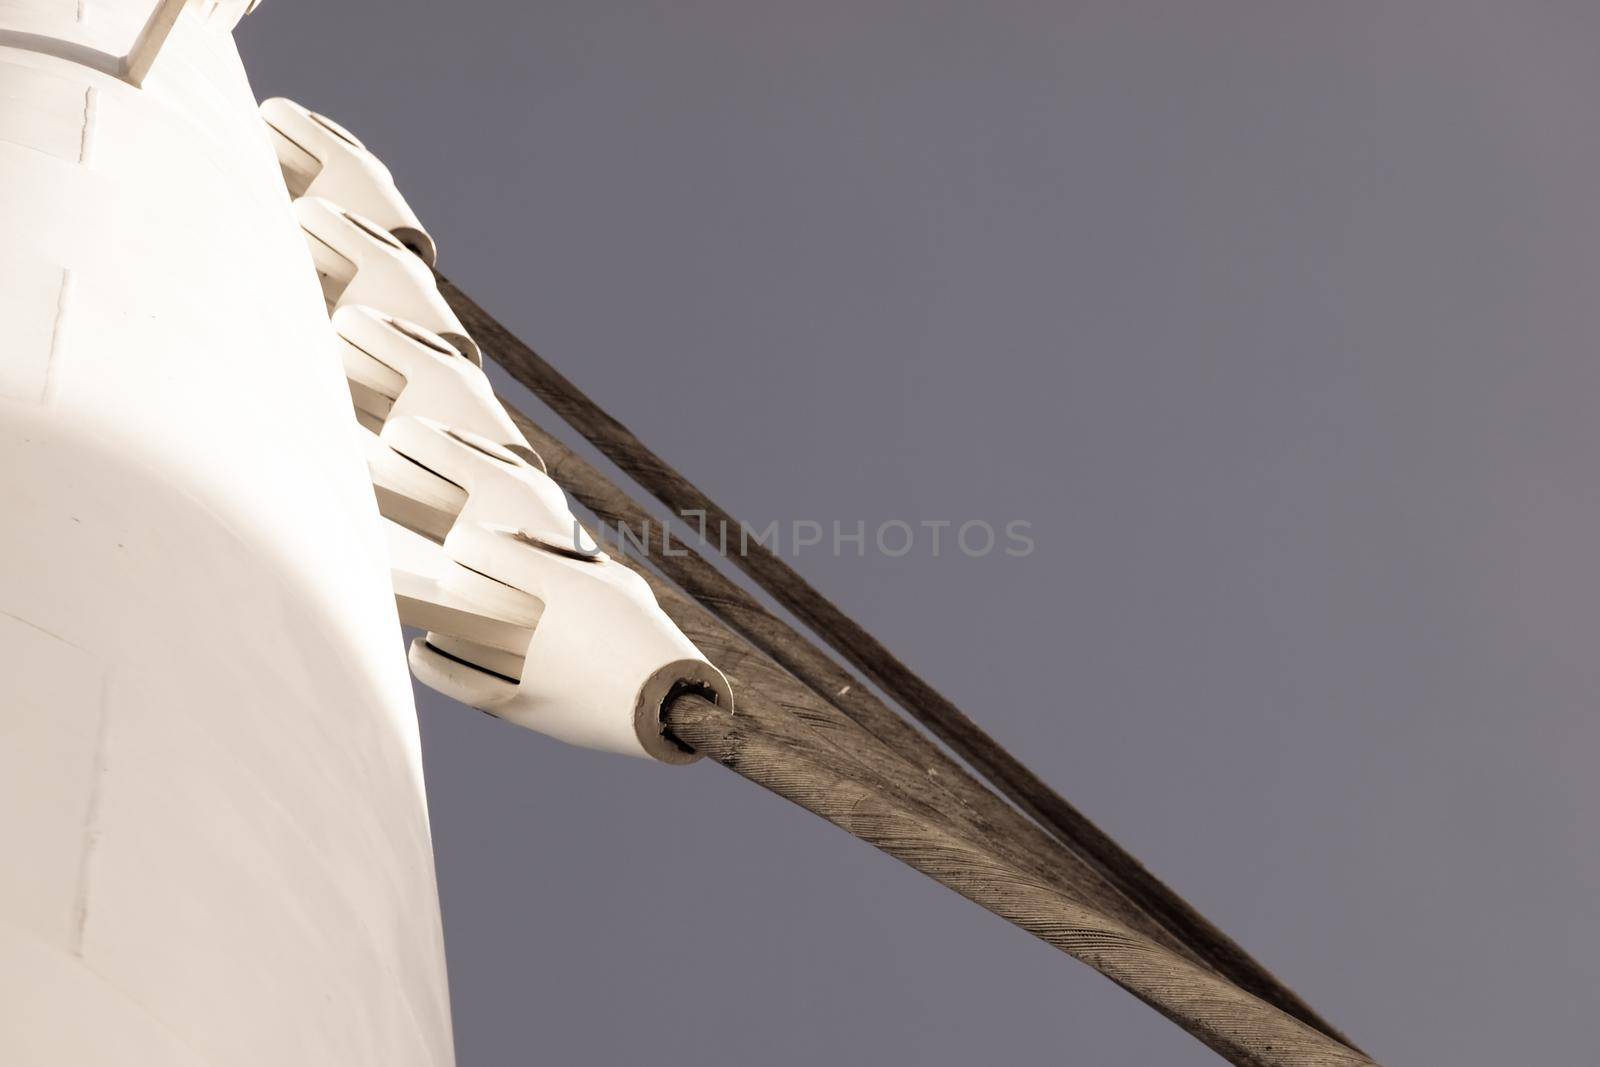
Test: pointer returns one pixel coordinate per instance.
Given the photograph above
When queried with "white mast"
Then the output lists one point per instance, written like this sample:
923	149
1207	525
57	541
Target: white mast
215	840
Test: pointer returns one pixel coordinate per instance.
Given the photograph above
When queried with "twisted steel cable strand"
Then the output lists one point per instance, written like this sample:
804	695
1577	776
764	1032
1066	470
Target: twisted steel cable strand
1241	1028
1016	782
804	743
835	699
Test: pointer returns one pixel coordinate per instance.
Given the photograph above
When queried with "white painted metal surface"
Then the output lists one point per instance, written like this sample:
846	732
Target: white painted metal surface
211	803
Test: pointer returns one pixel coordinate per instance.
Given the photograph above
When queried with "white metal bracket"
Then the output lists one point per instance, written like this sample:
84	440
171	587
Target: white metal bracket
397	368
601	657
321	158
360	262
525	617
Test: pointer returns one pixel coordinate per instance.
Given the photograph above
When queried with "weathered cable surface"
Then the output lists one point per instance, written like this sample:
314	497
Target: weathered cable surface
1237	1026
781	706
1116	865
792	742
809	745
899	752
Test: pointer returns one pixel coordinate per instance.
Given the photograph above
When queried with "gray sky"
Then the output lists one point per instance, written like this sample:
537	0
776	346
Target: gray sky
1276	321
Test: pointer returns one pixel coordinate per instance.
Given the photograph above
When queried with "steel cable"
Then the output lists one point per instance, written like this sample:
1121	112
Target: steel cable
1114	865
1243	1029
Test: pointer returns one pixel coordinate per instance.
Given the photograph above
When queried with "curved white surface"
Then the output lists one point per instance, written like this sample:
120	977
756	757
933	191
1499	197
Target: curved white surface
211	794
